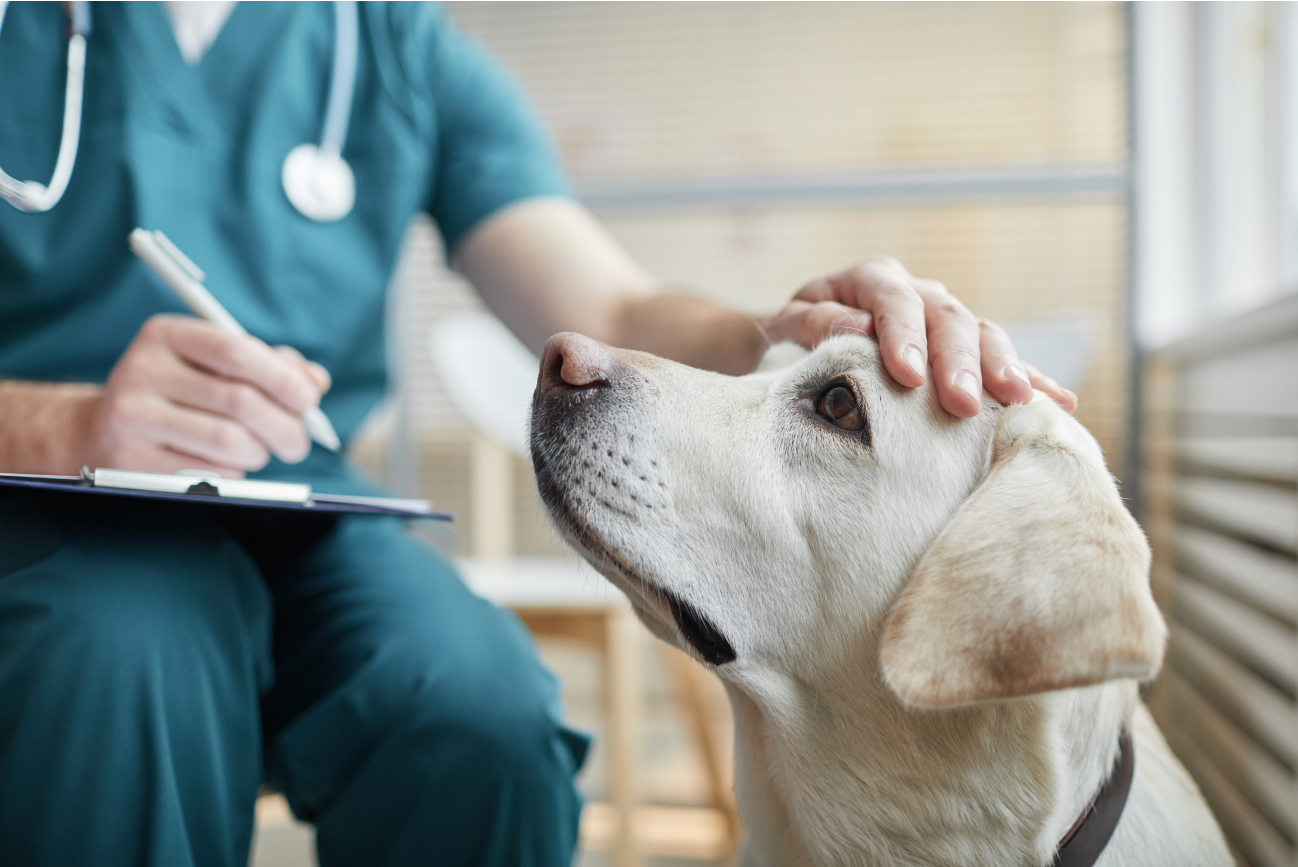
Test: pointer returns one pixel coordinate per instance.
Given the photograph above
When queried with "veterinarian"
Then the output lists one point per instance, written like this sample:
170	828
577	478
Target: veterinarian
157	665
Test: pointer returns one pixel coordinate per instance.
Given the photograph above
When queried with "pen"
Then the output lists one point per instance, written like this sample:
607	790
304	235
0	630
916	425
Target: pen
186	279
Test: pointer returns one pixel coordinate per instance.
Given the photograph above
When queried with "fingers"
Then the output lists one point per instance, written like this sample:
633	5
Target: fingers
900	325
188	390
1004	376
882	290
135	425
808	323
212	438
315	372
168	461
919	324
954	341
150	457
273	426
239	357
1054	390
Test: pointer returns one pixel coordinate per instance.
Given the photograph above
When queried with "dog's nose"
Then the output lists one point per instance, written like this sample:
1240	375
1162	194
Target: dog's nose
572	361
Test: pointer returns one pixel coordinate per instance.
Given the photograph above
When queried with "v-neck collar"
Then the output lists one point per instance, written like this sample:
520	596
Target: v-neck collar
186	96
158	69
198	24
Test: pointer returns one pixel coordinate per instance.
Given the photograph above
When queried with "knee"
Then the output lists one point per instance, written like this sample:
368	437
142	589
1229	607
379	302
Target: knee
500	707
508	726
479	762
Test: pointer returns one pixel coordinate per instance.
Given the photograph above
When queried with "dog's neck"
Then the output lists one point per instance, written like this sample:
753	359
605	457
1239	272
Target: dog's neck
851	777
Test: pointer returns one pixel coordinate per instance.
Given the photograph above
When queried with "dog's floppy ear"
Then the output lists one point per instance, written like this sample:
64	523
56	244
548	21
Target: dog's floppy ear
1039	582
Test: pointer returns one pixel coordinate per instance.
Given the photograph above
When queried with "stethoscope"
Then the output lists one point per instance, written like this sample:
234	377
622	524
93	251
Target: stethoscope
317	180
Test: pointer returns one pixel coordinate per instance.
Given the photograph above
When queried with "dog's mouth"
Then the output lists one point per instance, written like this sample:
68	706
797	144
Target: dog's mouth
700	632
694	626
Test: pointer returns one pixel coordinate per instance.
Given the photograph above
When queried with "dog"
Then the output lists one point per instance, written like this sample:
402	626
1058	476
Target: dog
931	629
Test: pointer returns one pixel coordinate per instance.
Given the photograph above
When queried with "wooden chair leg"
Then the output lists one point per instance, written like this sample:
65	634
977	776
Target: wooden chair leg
687	676
622	692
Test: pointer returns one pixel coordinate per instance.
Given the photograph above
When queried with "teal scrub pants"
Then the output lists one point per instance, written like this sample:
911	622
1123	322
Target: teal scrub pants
158	663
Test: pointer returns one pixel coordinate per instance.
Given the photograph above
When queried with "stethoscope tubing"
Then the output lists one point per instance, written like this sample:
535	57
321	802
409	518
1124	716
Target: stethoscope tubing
31	196
342	83
34	197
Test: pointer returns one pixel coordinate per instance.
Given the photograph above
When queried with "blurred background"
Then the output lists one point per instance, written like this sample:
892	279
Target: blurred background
1117	184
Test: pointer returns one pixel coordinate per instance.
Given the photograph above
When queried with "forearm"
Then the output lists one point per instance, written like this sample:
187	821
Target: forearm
41	426
545	266
690	330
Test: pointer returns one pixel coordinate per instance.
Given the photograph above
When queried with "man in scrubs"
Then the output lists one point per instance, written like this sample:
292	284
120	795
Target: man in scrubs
157	664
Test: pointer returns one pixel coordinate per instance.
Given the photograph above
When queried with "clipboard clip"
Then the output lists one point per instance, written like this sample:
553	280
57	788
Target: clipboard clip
198	483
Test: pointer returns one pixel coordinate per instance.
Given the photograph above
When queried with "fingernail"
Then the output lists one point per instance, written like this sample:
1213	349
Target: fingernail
968	383
307	397
914	360
1013	371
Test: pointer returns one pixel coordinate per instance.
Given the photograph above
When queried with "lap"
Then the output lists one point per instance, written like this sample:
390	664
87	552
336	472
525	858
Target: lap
369	630
323	597
133	648
134	581
375	632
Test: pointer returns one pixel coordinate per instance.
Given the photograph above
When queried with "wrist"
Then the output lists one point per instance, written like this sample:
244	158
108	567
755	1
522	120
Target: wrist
46	427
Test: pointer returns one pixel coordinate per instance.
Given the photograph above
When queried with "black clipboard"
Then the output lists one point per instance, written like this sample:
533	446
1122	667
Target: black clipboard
202	493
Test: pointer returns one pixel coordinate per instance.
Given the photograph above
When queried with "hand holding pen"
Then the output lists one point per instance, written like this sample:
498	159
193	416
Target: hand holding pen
186	279
187	394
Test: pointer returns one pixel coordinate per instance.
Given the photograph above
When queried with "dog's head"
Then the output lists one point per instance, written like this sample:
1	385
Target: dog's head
790	520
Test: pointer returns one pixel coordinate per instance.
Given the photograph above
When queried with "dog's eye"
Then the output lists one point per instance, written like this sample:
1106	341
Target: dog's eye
838	406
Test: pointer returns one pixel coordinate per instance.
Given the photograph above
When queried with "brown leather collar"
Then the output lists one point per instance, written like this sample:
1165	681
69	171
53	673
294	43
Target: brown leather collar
1082	846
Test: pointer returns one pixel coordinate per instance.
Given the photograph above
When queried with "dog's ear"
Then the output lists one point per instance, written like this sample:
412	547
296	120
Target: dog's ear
1039	582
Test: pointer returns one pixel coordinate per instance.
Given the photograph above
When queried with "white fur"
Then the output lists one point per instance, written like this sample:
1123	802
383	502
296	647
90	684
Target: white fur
865	735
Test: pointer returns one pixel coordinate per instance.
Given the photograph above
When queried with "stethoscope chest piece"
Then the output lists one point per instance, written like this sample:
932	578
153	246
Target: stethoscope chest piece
317	180
319	183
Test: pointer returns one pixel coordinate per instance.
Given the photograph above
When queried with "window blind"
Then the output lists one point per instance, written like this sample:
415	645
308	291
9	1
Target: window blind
1224	506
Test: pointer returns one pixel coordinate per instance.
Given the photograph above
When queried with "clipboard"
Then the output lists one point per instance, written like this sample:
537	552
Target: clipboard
198	488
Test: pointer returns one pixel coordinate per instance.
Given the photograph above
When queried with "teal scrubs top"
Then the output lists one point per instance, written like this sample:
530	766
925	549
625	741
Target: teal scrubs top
436	127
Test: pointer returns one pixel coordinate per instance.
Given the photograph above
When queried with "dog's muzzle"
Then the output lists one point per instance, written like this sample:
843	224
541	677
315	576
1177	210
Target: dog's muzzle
576	379
575	370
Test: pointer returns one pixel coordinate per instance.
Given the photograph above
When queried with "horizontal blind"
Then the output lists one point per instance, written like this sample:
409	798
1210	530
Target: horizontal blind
1225	532
635	89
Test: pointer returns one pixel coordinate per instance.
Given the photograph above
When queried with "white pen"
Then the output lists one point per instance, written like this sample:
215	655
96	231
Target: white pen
186	279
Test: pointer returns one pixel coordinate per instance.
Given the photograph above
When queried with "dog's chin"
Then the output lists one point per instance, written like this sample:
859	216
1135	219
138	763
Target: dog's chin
694	626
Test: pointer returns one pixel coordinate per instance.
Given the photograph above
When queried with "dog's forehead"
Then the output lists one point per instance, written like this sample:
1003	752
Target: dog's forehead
847	353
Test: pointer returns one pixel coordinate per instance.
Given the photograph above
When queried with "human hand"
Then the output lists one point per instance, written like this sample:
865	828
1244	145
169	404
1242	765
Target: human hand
881	298
186	395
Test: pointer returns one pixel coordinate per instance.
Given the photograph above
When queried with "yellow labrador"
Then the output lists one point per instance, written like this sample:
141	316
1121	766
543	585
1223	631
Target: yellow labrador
931	629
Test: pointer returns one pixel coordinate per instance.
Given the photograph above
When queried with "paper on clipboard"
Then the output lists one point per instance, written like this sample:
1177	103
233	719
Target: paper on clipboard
204	484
